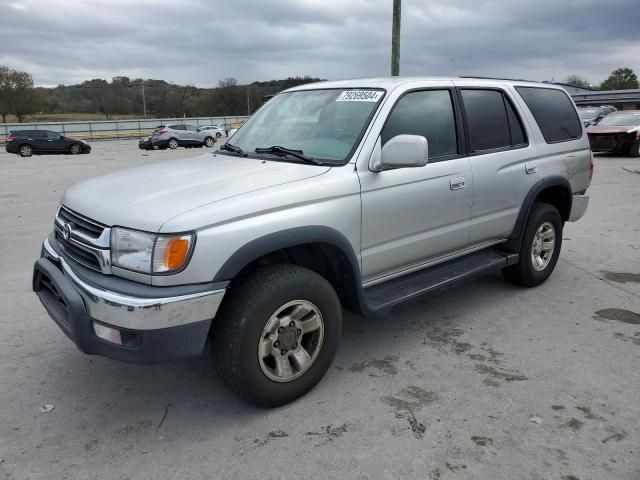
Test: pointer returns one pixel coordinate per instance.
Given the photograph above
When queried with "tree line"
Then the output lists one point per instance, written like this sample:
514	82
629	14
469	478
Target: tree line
158	98
125	96
620	79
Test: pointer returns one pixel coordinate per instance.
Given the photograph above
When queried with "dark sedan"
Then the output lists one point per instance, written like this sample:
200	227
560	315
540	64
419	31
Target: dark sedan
617	133
27	142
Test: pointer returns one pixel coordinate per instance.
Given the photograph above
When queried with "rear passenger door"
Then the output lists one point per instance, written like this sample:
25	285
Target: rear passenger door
502	161
180	133
192	135
411	216
38	140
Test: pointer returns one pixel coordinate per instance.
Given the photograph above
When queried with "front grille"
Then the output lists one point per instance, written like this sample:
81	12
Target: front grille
602	141
83	224
87	241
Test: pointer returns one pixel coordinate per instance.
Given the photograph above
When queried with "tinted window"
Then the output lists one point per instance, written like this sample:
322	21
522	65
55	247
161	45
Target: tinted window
53	135
177	127
30	134
428	113
486	119
191	128
554	112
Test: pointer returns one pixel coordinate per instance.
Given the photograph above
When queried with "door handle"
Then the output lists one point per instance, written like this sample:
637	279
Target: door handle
530	168
457	183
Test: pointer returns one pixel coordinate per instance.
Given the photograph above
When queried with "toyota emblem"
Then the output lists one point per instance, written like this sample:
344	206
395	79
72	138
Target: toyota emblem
66	231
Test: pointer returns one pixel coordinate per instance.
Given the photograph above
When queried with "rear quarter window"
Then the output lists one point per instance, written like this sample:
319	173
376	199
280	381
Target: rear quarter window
554	113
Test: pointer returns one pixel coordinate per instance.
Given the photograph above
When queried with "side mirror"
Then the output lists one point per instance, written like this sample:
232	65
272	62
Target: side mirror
231	132
402	151
61	137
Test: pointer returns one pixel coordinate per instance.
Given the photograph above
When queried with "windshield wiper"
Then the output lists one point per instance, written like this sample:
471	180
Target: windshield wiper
278	150
233	149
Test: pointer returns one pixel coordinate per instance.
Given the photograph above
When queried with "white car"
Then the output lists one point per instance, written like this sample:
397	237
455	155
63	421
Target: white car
217	130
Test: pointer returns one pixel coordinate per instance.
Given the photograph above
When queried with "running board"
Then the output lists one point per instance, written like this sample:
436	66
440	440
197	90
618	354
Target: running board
403	288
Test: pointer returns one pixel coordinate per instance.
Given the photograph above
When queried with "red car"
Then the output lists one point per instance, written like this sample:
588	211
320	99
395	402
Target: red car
618	133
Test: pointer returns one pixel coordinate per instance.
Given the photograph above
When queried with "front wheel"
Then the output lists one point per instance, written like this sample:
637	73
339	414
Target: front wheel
276	334
541	243
75	149
209	141
634	148
173	143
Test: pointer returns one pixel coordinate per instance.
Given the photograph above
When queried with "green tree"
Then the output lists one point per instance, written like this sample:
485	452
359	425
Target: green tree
577	81
620	79
5	92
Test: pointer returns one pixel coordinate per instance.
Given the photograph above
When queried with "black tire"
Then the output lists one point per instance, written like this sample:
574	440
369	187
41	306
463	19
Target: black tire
25	150
173	143
75	149
218	134
209	142
524	273
243	315
634	149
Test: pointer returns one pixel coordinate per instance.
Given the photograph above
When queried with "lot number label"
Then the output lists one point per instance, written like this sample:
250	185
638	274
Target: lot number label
359	96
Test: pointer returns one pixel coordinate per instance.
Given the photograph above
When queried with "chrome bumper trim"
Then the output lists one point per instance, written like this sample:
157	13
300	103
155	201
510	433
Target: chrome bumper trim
140	313
578	207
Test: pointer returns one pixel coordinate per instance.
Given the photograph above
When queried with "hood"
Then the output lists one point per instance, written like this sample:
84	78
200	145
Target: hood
146	197
608	130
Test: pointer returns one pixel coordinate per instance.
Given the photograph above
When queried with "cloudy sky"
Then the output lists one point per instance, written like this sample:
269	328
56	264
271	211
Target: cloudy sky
199	41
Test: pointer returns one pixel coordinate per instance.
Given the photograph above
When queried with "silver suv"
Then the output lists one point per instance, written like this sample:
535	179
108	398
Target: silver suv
182	135
354	195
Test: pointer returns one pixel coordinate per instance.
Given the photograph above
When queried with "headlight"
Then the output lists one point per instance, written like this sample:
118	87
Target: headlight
148	252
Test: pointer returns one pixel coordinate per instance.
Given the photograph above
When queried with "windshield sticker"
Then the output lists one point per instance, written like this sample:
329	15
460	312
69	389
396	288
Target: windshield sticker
359	96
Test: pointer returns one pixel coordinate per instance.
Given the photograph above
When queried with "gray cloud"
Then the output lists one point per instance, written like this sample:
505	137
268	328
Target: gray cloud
200	41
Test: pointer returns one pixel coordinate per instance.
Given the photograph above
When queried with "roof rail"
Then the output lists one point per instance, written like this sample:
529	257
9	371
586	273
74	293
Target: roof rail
498	78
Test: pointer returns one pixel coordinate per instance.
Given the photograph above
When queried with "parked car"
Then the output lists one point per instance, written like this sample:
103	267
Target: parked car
592	115
617	133
217	130
182	135
145	143
354	195
44	142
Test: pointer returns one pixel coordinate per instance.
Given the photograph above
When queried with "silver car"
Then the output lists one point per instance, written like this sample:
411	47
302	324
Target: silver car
182	135
353	195
217	130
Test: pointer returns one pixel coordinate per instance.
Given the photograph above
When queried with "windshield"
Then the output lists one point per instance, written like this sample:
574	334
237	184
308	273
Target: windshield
621	120
587	112
322	124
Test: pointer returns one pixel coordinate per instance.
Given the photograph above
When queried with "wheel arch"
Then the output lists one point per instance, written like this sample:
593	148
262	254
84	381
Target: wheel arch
321	249
554	190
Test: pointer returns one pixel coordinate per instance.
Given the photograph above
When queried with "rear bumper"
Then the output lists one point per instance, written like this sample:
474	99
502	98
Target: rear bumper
152	328
578	207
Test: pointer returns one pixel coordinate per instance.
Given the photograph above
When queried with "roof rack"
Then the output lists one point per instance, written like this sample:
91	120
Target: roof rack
498	78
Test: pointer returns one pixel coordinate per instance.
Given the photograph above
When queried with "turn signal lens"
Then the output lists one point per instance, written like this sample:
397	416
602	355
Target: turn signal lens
171	253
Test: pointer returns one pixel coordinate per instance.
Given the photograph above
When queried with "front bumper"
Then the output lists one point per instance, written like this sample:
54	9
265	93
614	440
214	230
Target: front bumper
157	324
578	207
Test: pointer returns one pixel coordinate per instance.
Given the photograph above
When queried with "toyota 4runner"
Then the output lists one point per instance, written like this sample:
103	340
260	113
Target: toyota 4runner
354	195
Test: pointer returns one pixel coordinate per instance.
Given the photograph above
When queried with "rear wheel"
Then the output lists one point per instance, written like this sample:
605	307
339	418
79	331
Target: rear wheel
540	249
25	150
75	149
276	334
209	141
172	143
218	134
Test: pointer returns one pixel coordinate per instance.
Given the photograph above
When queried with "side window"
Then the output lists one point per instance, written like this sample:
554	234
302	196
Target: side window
176	127
38	134
428	113
486	119
53	135
191	128
554	112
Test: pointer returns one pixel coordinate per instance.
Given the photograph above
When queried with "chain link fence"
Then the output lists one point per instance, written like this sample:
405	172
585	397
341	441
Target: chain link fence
116	129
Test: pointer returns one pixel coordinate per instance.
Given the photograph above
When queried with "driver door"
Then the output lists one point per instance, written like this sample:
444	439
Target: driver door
54	143
411	216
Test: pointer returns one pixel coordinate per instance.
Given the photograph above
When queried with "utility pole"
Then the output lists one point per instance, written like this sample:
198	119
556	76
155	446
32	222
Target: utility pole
248	106
395	39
